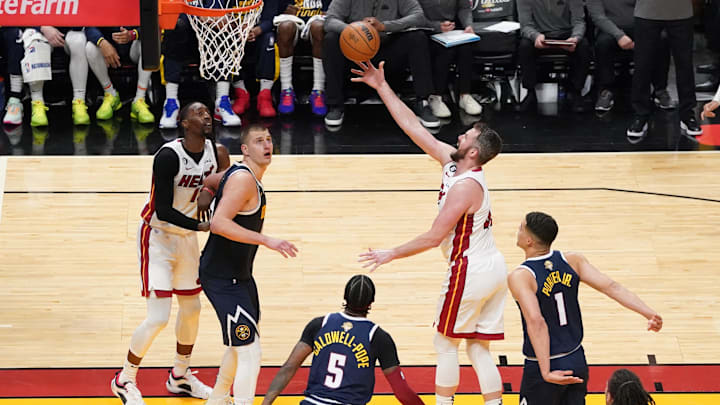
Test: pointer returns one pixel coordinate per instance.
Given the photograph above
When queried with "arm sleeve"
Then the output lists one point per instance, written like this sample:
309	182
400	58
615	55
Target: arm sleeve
338	14
577	15
527	25
93	35
464	13
165	167
384	346
403	392
311	330
412	16
596	9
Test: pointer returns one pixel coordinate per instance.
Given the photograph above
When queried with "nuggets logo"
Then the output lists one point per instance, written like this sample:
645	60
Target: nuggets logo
347	326
242	332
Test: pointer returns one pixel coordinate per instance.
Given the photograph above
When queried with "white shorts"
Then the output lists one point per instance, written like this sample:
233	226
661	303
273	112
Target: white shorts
472	303
168	262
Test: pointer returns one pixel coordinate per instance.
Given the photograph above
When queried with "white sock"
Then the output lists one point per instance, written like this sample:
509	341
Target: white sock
265	84
318	74
239	84
107	88
442	400
142	84
16	82
36	91
171	90
182	362
222	89
79	94
225	376
128	373
286	73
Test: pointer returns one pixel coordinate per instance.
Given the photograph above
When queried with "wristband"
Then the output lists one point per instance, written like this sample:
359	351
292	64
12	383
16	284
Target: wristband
209	190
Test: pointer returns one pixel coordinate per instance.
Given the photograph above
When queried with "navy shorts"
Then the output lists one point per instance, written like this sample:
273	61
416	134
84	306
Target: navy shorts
536	391
237	307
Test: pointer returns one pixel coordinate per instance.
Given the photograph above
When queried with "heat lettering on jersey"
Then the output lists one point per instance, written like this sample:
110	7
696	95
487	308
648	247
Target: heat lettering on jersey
190	181
346	339
554	278
488	222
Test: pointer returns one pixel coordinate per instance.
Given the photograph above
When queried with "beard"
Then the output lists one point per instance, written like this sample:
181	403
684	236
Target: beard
459	154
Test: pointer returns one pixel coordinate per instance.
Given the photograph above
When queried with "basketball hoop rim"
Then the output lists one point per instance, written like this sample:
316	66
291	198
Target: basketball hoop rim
177	7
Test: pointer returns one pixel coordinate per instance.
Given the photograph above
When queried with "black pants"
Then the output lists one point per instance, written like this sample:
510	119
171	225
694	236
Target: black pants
13	50
579	62
261	54
607	51
399	50
680	39
535	391
179	48
442	58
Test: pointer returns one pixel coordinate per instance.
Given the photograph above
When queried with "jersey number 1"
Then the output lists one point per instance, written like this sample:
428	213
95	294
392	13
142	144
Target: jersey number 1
195	194
562	315
334	377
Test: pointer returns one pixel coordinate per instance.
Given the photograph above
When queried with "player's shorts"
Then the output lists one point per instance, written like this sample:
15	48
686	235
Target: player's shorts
472	303
303	24
536	391
237	307
168	262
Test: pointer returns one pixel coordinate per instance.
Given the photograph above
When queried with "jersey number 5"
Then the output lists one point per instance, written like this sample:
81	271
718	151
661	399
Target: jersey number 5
334	377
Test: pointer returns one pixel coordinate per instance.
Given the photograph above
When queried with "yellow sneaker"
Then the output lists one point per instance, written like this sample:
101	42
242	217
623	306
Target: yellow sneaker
141	112
80	114
109	105
39	117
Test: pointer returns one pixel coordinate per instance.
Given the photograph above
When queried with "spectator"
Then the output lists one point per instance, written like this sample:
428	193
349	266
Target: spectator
625	388
13	51
441	16
541	20
260	51
401	49
614	34
110	47
651	18
303	19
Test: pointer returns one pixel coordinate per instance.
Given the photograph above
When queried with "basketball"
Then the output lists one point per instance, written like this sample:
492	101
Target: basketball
359	41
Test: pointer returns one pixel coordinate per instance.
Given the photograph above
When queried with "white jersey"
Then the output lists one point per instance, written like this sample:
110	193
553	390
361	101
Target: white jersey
186	186
473	233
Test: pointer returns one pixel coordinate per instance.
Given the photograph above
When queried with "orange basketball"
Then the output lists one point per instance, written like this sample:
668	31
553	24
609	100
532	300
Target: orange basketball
359	41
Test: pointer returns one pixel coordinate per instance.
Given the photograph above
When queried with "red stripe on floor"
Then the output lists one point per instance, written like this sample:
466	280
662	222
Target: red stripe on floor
88	382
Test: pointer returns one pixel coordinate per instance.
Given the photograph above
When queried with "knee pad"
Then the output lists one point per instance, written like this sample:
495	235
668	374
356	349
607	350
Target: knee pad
485	368
447	373
248	368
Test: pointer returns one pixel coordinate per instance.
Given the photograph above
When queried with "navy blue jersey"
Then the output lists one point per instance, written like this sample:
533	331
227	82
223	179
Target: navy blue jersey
557	295
225	258
343	365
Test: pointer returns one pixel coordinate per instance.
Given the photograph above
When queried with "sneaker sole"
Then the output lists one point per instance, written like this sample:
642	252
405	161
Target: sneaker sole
116	391
429	124
688	131
632	134
605	109
663	107
334	123
180	390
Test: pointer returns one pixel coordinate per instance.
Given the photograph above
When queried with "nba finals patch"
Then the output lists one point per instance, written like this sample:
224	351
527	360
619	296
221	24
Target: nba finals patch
548	265
242	332
346	326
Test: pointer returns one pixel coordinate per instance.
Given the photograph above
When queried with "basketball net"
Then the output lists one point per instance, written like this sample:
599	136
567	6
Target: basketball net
222	40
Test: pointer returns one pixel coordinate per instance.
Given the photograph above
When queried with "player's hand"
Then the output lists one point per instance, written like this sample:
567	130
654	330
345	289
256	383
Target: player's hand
375	258
203	205
626	43
561	377
655	323
540	42
370	75
380	27
112	59
291	10
469	30
446	26
204	226
571	48
123	36
254	33
54	37
708	109
283	247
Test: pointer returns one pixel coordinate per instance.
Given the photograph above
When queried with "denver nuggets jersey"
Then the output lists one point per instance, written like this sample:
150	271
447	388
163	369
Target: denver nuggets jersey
473	232
224	258
557	295
343	365
186	186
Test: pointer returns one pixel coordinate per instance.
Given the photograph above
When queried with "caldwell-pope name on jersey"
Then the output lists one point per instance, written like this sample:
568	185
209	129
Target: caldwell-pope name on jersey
344	338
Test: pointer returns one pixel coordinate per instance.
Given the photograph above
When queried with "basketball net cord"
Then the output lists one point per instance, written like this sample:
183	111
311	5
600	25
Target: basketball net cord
222	40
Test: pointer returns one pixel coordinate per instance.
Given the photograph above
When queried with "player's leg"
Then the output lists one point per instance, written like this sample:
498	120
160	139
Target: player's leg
287	36
447	372
175	46
535	391
317	96
335	67
488	376
75	47
96	60
139	110
223	108
464	61
38	115
186	288
575	393
14	52
265	72
441	58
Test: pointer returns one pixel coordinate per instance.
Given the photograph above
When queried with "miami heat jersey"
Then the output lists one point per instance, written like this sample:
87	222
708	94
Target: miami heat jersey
557	295
473	233
186	186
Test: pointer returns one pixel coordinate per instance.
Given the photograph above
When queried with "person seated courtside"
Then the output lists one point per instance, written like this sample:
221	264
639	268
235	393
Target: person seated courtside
540	21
